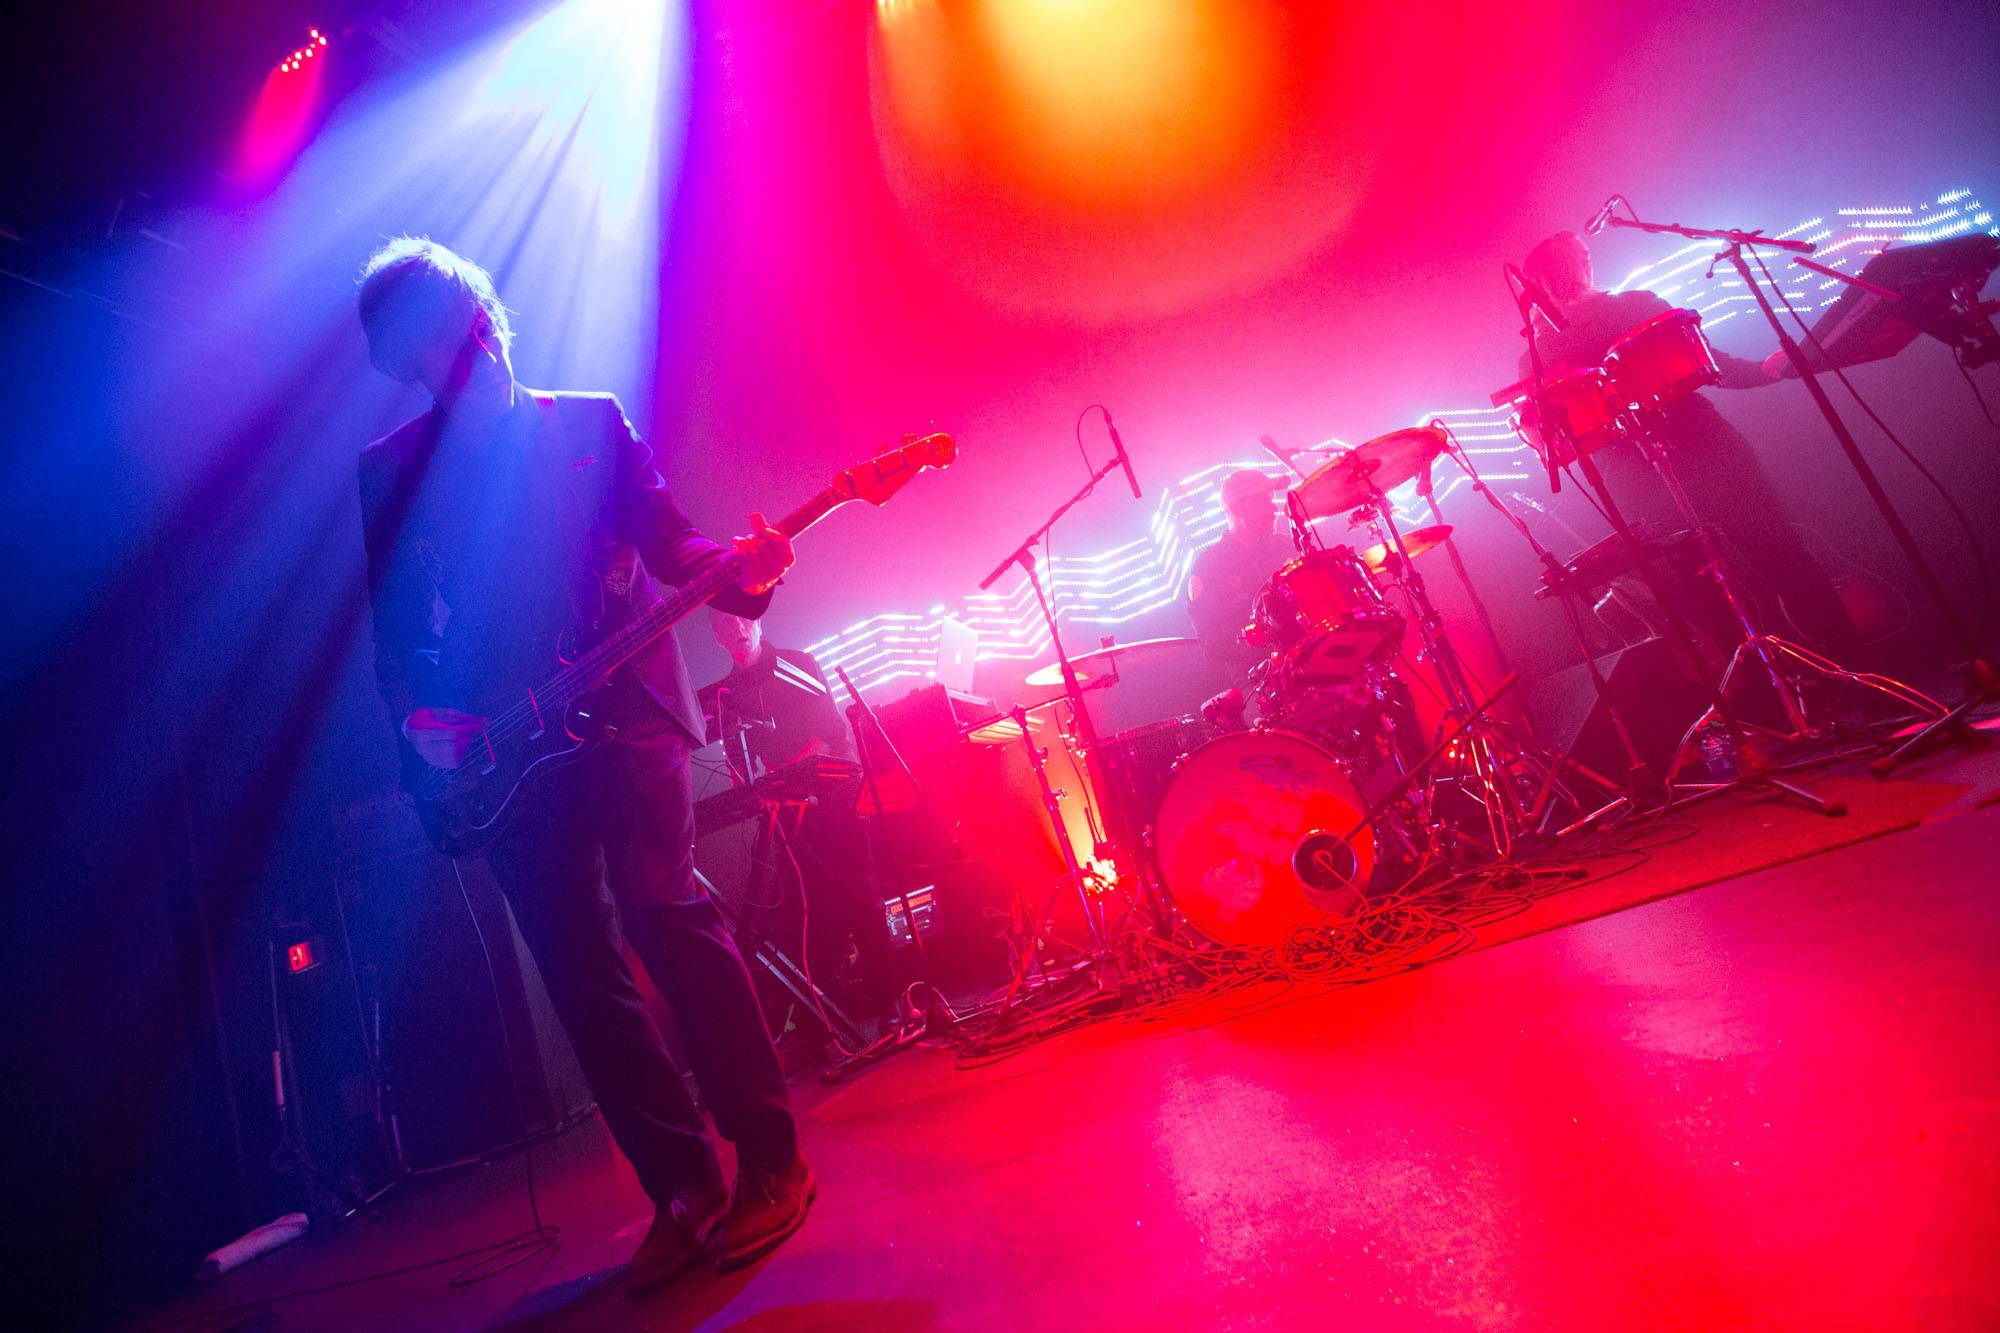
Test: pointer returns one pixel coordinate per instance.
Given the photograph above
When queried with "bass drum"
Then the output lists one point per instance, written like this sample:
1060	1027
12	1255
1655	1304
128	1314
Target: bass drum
1253	838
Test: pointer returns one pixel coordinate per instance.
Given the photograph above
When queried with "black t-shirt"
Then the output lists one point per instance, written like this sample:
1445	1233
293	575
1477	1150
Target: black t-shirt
785	694
1222	590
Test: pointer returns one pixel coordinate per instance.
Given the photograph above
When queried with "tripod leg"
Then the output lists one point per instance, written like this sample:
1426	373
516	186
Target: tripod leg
1952	726
1832	808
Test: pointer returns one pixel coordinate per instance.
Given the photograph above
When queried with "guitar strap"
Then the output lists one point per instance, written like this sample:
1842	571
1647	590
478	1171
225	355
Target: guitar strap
579	517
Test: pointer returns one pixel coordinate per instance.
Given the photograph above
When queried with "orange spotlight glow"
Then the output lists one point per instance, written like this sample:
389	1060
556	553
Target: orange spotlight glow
1155	149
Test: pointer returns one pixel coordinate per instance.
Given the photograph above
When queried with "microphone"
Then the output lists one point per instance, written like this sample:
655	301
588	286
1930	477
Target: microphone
1124	458
1539	299
1276	450
1603	217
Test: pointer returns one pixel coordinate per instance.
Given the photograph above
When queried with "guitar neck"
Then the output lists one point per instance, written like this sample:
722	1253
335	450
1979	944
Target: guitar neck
658	619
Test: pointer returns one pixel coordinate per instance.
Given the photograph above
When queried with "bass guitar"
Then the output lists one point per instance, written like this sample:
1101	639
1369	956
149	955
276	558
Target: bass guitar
553	724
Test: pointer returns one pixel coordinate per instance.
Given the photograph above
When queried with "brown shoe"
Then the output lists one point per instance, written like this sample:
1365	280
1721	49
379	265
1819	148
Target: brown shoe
680	1234
767	1206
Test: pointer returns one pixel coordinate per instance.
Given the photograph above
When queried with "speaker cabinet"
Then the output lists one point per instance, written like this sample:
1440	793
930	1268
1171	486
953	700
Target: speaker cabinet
449	987
1653	696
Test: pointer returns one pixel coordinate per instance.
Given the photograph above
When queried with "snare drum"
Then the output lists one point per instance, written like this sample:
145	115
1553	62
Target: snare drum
1583	399
1258	833
1661	362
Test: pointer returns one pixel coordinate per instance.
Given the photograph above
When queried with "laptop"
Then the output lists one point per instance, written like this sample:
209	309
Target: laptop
957	655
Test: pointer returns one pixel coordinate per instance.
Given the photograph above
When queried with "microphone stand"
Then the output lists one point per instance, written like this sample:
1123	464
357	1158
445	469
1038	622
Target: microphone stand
1982	681
1024	556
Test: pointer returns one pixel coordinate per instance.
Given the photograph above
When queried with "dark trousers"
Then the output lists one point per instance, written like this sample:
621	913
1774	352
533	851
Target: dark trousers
1729	489
622	819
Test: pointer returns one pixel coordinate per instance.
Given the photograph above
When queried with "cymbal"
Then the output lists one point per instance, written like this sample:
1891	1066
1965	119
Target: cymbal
1383	463
1382	556
1100	660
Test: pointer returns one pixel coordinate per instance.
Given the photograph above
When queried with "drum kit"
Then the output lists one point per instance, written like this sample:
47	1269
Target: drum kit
1339	797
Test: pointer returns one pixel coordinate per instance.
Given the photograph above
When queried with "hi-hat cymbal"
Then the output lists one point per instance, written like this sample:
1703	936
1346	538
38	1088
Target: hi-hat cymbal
1355	477
1101	660
1382	557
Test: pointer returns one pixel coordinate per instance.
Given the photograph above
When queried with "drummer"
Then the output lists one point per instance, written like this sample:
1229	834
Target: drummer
1228	575
1725	482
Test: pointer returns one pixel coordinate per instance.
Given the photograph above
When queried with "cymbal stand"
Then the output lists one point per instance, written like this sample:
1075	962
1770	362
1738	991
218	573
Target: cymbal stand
1427	492
1755	768
1485	743
1640	784
1981	679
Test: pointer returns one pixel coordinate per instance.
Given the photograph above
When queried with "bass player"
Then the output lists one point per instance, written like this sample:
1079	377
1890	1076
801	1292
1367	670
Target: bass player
493	523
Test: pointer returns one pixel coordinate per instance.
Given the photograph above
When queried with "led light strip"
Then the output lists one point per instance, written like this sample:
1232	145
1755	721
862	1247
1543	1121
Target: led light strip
1150	572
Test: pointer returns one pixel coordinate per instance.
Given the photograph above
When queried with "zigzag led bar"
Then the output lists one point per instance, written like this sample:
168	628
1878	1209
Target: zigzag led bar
1148	573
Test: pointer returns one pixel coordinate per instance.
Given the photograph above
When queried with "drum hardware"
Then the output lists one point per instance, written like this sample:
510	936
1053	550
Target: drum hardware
1118	822
1653	367
1101	664
1980	678
1427	491
1422	541
1029	927
1641	786
1757	768
1487	760
1353	479
1656	365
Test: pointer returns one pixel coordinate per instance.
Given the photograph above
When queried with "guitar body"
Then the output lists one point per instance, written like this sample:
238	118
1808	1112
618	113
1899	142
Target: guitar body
464	809
546	728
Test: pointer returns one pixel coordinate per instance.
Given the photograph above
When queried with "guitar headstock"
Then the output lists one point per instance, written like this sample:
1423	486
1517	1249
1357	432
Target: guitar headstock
891	470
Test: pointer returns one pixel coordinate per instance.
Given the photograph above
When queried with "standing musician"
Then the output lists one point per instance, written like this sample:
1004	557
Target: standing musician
496	521
1223	586
1725	483
774	708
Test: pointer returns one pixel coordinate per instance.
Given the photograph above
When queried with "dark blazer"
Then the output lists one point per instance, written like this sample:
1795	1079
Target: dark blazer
477	565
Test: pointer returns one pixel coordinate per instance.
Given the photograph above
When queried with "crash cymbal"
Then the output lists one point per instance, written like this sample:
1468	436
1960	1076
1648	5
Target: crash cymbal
1101	660
1383	463
1381	557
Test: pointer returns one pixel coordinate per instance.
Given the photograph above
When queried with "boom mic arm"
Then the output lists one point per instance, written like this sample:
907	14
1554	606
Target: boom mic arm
1602	219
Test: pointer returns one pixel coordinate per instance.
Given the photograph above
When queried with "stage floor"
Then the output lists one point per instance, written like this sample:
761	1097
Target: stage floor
1770	1102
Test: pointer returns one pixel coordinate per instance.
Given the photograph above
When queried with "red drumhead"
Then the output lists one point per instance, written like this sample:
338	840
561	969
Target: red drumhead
1241	817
